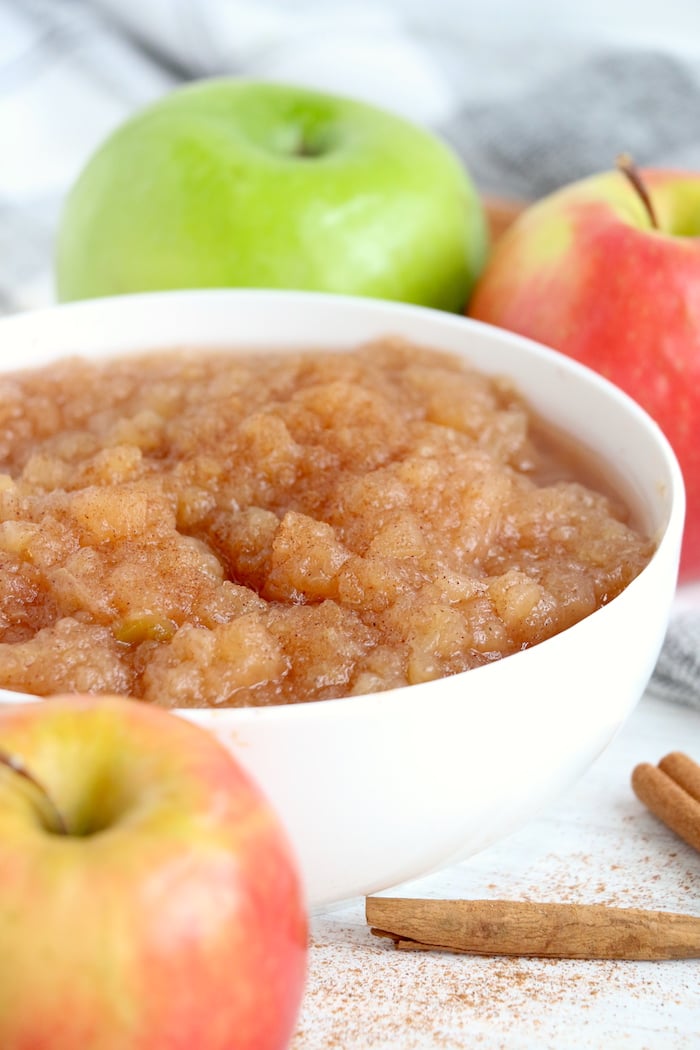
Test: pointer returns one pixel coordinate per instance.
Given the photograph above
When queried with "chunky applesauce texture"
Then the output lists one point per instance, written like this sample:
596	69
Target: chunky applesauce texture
234	529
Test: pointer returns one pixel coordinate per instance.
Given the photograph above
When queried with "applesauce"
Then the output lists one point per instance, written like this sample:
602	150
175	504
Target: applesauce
204	528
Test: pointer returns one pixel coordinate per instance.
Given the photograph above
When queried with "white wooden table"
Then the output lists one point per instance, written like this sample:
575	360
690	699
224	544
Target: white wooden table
598	844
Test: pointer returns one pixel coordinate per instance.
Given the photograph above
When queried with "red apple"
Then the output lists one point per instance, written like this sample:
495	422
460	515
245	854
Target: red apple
609	279
148	897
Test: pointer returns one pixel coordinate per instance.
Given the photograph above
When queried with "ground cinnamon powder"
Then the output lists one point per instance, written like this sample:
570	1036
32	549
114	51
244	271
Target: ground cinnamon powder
364	995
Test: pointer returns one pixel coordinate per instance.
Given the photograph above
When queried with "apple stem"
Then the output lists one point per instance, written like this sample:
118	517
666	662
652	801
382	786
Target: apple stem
16	765
626	165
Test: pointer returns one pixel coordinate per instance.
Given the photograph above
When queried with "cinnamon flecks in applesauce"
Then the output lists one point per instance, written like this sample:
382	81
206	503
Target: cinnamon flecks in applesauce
211	528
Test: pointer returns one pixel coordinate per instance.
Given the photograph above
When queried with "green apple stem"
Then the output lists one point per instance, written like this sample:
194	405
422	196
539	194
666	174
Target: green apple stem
14	763
626	165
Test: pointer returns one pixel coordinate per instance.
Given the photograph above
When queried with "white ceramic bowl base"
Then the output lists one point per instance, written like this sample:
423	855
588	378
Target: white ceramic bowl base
377	789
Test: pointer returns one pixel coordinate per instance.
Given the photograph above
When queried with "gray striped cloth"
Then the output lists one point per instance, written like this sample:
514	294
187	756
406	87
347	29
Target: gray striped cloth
531	96
677	673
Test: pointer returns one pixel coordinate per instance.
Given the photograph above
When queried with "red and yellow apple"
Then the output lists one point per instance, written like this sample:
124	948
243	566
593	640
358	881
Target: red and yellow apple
148	897
609	279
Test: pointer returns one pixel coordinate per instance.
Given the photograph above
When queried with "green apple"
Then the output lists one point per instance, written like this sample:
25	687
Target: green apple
237	183
149	899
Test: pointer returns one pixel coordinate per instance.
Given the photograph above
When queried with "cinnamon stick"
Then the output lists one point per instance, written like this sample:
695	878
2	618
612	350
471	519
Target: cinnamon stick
671	791
523	928
684	771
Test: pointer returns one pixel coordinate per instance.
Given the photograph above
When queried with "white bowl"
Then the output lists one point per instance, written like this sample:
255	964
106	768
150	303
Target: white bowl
381	788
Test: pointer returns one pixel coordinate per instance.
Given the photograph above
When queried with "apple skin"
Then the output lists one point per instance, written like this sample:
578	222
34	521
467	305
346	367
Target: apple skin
170	917
584	271
237	183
